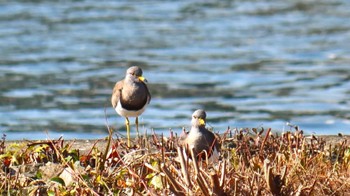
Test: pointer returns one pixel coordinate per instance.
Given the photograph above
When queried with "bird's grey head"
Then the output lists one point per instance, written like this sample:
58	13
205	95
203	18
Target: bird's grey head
199	118
135	74
135	71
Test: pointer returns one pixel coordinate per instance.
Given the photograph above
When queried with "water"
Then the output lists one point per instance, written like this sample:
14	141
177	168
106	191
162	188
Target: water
248	63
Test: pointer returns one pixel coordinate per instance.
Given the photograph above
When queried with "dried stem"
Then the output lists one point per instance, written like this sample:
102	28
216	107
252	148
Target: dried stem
184	168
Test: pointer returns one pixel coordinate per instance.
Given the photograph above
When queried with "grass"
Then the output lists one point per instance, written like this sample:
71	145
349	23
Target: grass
252	162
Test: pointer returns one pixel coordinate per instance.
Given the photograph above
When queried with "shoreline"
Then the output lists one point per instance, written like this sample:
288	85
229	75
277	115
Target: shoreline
85	145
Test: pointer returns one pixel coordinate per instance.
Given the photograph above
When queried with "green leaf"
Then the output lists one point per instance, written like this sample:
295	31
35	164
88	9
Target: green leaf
58	180
101	181
155	164
38	175
50	193
41	148
85	177
69	158
7	155
74	154
157	182
150	175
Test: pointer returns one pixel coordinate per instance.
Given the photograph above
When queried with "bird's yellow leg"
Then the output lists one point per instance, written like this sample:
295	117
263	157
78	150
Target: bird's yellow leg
127	124
137	126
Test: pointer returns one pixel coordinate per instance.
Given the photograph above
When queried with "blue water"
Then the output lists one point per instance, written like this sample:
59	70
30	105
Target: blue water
247	63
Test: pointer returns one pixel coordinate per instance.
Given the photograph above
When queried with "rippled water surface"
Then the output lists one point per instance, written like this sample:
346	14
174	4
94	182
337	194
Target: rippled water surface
248	63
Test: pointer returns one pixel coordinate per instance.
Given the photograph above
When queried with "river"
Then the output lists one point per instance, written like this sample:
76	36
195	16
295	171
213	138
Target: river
249	64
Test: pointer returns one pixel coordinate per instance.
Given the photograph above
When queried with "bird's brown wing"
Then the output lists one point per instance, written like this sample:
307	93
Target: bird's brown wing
116	93
213	140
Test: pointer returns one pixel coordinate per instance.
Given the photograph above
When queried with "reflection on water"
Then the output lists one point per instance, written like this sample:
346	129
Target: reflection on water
248	63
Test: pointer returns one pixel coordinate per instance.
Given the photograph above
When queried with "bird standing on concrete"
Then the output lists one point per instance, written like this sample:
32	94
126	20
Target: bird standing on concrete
130	97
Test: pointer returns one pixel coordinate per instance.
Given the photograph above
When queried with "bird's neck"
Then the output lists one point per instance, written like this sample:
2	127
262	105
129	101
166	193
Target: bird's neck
196	130
198	126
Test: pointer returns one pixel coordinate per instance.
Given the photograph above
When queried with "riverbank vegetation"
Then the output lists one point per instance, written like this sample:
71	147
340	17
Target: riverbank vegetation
252	162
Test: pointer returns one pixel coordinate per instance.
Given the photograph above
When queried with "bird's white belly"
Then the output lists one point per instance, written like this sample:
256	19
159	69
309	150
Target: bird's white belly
129	113
192	137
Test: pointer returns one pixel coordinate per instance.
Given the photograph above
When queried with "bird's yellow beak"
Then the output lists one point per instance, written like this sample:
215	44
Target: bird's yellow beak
201	121
142	79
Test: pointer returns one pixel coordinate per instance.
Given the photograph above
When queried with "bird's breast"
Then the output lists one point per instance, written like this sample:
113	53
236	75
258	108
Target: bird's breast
193	137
